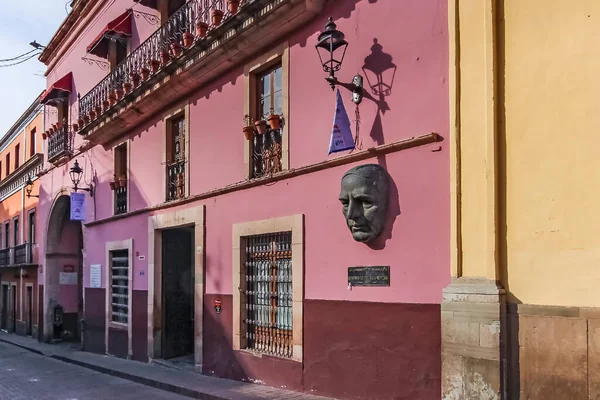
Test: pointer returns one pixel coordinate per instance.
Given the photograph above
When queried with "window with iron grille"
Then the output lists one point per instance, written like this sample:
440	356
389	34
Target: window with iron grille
266	147
120	156
119	277
176	158
268	294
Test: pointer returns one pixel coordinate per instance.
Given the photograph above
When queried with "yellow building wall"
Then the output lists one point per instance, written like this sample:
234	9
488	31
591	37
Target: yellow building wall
550	71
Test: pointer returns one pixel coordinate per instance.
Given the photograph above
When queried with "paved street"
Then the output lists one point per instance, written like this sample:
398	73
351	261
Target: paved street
26	375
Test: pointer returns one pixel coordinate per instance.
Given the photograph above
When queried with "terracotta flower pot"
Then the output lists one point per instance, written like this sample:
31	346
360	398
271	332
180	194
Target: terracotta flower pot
216	16
75	127
146	72
50	131
111	101
177	49
113	185
59	126
248	132
127	87
164	57
105	105
261	126
86	119
54	127
122	181
274	121
135	79
93	114
80	121
44	135
154	66
119	93
188	39
233	5
201	29
98	110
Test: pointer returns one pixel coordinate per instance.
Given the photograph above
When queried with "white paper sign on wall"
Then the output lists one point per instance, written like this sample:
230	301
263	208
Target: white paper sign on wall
95	276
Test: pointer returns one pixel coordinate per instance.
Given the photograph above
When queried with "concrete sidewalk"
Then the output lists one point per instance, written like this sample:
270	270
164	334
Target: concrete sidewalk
185	383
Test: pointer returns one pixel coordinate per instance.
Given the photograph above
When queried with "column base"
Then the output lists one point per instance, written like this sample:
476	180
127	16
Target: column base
473	361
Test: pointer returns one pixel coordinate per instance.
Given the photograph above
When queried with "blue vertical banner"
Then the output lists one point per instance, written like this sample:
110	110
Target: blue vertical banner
77	206
341	135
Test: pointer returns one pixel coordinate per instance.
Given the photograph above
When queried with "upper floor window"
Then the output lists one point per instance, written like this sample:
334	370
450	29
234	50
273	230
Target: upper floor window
31	231
63	111
8	164
266	150
7	234
17	155
176	151
32	142
120	192
16	231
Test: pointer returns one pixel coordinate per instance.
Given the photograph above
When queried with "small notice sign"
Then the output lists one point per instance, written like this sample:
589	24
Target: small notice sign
68	278
95	276
77	206
369	276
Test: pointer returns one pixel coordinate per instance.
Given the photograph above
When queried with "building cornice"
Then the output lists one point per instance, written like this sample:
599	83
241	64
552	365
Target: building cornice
16	180
32	111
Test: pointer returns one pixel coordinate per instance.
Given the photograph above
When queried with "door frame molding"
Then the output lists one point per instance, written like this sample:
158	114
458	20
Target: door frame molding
190	217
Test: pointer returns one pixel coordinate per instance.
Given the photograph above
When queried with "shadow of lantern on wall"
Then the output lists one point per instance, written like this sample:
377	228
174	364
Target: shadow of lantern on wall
379	70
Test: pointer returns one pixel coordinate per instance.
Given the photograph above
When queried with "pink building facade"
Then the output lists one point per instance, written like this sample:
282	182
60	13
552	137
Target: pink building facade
162	258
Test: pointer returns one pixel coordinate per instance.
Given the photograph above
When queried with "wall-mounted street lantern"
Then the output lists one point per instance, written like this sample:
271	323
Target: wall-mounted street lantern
331	47
75	174
29	187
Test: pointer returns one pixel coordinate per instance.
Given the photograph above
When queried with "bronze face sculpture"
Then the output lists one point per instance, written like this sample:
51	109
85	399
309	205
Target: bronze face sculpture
364	198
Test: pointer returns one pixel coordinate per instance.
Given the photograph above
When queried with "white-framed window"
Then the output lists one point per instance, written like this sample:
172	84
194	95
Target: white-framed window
119	286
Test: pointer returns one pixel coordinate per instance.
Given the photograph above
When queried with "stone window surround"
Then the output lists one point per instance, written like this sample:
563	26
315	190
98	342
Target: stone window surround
295	224
109	247
127	167
279	54
177	111
189	217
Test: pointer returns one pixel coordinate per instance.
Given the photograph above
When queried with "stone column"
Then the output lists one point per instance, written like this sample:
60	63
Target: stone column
473	306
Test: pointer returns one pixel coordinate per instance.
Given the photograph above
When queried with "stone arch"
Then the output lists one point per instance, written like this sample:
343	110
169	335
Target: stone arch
63	254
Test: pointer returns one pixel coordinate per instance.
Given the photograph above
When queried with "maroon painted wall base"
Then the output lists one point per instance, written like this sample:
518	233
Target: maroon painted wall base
94	316
352	350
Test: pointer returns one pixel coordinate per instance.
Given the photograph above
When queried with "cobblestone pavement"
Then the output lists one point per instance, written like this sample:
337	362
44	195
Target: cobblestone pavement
26	375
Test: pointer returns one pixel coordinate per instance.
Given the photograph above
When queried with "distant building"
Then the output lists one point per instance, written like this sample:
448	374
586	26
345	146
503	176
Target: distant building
21	158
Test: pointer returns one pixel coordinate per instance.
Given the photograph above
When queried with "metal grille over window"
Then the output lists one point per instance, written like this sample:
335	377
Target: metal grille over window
266	153
120	286
176	164
121	200
268	294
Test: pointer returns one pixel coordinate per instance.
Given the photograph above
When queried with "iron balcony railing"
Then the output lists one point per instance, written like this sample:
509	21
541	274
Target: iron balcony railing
60	143
5	257
187	25
23	254
176	180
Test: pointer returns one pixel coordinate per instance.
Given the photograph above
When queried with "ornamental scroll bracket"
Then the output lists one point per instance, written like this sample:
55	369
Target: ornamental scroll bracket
104	65
150	18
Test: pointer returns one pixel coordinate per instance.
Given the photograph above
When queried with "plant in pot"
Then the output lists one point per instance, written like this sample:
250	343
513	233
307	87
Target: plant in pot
154	66
164	56
261	126
59	126
188	39
44	135
119	93
176	48
87	118
98	110
113	184
127	86
105	105
135	78
112	98
248	128
122	181
201	28
80	121
146	71
216	16
233	5
75	127
274	120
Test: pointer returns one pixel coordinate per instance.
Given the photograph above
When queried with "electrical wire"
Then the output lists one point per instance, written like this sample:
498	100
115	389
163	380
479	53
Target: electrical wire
19	62
17	57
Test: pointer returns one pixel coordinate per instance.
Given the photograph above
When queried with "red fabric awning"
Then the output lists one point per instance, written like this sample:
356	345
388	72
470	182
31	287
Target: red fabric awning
148	3
59	90
119	27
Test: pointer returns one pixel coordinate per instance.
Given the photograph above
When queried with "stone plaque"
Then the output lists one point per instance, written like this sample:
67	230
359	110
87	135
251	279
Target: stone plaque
369	276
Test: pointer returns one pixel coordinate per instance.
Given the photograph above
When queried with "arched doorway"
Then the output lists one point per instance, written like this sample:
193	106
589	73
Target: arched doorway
63	278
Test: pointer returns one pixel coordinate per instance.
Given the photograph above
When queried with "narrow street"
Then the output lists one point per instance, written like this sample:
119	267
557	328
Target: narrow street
26	375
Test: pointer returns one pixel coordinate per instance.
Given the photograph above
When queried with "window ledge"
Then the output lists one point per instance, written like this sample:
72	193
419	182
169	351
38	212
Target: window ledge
258	354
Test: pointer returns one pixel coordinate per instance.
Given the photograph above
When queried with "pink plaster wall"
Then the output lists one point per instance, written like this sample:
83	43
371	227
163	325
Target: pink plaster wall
414	33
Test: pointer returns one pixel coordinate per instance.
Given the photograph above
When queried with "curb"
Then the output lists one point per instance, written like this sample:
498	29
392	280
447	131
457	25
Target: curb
168	387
